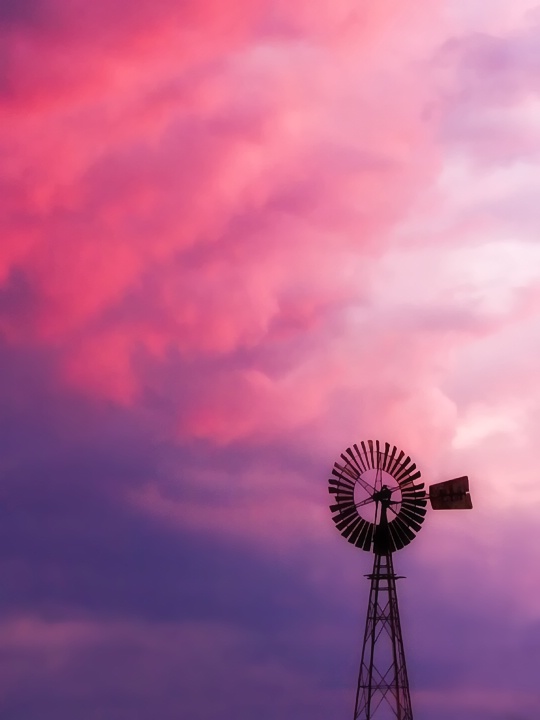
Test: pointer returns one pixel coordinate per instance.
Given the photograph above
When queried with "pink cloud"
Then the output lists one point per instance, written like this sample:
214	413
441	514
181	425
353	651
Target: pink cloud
224	196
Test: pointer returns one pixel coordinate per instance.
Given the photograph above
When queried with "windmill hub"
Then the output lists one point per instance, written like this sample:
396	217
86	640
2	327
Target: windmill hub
384	496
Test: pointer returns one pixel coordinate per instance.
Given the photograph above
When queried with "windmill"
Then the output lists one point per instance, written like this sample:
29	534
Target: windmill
379	507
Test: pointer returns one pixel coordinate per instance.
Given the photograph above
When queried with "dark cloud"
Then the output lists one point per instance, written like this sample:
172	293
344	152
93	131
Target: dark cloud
23	13
76	558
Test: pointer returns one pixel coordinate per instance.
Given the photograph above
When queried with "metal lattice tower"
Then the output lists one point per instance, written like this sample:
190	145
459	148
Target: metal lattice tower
383	680
368	484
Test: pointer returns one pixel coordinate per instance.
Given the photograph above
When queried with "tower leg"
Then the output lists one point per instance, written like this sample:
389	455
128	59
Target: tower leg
383	685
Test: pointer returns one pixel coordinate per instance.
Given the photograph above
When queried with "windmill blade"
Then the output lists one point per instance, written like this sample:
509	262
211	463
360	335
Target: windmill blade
345	525
342	523
403	475
341	484
353	529
347	469
340	506
408	520
357	473
404	530
346	480
414	491
339	489
409	479
357	529
398	541
390	460
358	536
370	444
342	494
414	497
412	521
345	512
414	508
344	498
379	454
385	455
342	502
415	502
400	467
333	490
360	459
366	456
341	498
395	463
338	473
354	460
414	488
451	494
368	539
400	533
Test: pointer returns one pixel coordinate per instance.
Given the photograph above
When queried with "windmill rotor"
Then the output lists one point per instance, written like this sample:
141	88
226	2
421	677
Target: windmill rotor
381	479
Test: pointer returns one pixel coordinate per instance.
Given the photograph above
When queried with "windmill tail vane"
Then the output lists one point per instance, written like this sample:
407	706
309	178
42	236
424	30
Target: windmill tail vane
379	506
451	494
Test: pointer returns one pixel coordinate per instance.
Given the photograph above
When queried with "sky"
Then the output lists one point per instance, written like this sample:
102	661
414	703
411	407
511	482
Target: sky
235	239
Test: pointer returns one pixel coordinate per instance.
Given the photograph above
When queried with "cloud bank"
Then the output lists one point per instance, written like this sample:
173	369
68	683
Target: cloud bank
236	239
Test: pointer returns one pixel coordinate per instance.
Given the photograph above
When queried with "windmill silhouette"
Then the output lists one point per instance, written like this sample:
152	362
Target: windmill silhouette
379	507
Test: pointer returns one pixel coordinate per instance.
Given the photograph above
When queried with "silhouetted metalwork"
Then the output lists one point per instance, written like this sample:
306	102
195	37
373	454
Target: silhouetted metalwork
369	483
382	682
451	495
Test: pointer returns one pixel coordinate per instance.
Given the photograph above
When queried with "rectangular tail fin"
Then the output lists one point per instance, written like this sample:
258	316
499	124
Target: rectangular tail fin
451	494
